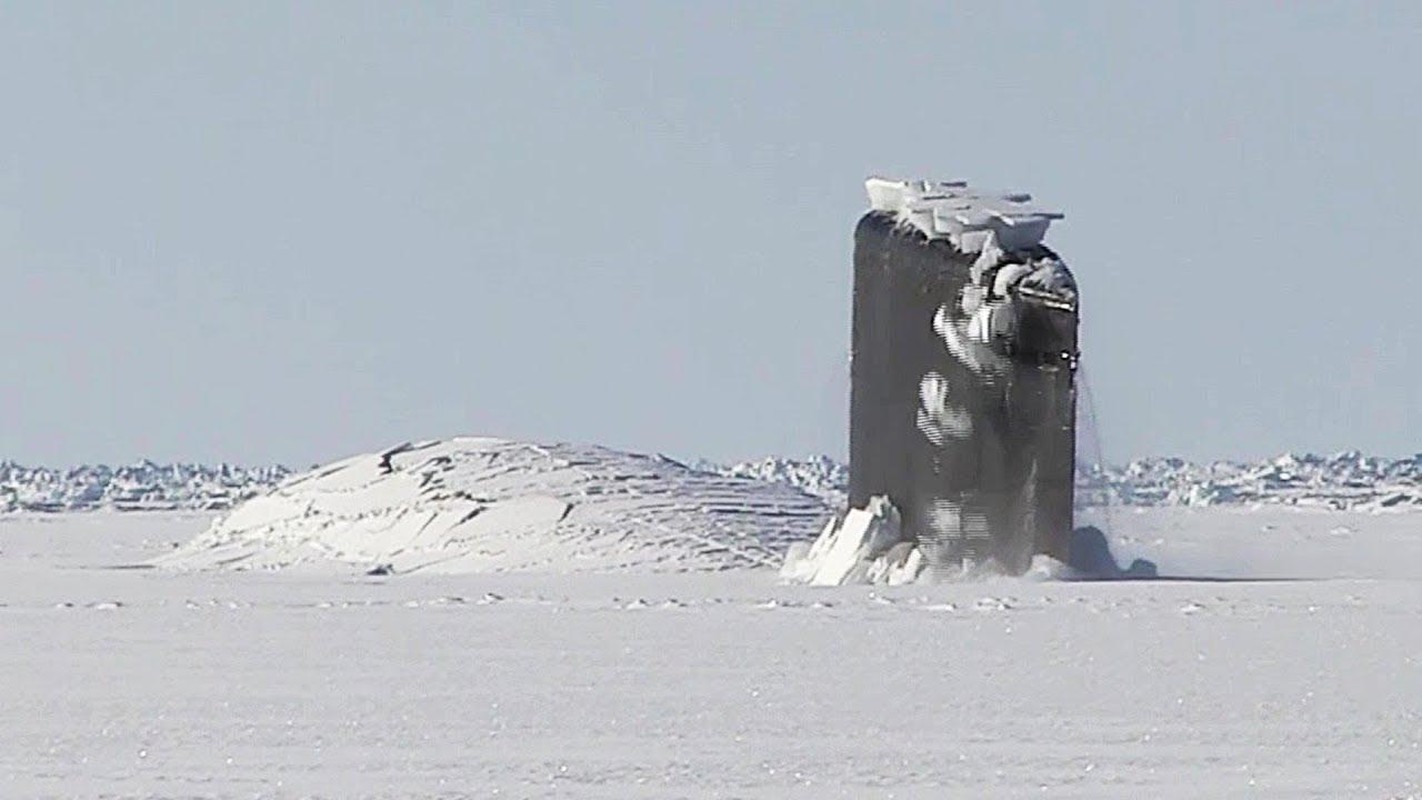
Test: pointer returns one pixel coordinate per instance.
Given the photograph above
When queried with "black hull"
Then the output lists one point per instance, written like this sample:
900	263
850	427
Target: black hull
972	439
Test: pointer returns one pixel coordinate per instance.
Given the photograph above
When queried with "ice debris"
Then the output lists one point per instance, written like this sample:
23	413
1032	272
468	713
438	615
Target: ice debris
861	545
866	546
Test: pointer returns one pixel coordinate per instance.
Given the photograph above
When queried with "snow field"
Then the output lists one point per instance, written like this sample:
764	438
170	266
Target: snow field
330	683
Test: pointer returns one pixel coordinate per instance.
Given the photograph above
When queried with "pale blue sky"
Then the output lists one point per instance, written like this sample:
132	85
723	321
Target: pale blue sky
258	232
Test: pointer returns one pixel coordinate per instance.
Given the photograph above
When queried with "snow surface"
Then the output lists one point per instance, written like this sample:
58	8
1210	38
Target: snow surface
159	684
483	504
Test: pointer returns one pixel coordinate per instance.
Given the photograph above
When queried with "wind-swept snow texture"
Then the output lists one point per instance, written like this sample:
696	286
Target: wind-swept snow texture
485	505
962	402
124	683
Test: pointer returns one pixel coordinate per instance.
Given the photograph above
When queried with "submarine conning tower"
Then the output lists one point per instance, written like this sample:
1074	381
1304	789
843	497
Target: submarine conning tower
962	388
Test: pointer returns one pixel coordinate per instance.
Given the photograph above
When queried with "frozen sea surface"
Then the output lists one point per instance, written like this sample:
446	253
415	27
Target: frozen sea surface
119	682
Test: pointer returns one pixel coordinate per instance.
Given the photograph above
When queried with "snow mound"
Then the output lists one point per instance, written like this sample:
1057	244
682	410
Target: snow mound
491	505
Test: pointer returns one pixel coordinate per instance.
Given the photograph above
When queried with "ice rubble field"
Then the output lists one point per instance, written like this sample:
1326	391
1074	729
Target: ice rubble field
321	681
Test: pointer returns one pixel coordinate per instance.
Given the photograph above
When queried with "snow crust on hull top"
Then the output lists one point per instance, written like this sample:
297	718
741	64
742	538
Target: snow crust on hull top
971	219
491	505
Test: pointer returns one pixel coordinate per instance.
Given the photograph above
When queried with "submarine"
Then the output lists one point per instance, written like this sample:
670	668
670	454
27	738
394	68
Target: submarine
964	354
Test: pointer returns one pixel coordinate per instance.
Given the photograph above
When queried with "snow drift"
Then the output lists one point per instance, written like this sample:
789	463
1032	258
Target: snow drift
485	505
